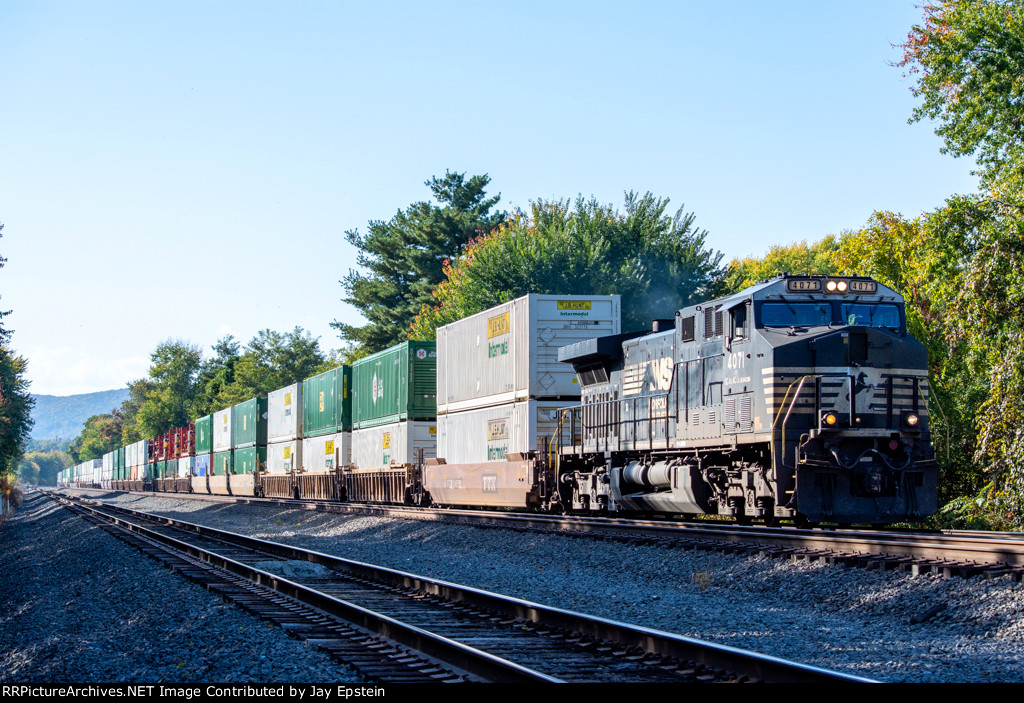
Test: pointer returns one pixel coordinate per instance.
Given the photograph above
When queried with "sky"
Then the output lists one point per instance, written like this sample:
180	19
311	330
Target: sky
188	169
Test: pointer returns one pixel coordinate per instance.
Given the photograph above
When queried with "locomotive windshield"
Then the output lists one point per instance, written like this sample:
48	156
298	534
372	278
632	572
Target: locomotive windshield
873	315
795	314
808	314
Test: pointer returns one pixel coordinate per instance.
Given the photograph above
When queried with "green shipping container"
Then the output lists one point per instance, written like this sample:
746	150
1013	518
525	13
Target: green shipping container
249	459
222	464
395	385
250	418
327	403
204	435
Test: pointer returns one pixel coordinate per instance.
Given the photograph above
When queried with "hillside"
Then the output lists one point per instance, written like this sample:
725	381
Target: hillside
62	416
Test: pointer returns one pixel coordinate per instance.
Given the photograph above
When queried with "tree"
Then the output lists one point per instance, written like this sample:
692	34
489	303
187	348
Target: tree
171	400
404	257
216	374
272	360
968	59
800	257
658	263
100	434
42	467
15	400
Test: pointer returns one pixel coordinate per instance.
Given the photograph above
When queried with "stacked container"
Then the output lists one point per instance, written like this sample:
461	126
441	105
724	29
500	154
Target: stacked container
223	434
284	429
394	405
499	381
327	421
203	458
108	467
137	457
184	451
249	443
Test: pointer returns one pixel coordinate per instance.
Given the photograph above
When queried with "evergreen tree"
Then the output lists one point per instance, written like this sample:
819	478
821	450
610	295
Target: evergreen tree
404	257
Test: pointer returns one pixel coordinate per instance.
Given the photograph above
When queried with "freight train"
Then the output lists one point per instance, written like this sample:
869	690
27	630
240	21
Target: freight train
802	398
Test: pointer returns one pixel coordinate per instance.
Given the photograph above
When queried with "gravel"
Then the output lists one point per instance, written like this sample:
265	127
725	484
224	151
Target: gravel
847	619
78	605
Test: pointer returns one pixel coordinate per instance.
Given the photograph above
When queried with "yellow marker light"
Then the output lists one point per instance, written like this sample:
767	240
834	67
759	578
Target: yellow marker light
830	419
841	286
912	420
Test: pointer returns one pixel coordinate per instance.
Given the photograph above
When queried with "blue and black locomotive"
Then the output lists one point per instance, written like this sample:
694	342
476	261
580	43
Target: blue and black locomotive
802	398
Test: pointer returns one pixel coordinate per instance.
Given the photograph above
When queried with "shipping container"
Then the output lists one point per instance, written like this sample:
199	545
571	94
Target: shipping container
326	402
250	420
249	459
284	414
398	442
324	453
204	435
222	463
489	434
399	383
223	430
283	457
510	352
200	469
185	466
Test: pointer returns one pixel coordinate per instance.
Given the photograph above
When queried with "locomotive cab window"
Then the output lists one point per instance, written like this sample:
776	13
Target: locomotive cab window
871	315
795	314
739	325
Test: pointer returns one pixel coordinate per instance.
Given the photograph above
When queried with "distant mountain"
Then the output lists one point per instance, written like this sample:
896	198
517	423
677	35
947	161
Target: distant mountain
62	416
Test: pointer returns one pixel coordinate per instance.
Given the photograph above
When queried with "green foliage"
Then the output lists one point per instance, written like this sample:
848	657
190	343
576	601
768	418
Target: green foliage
15	400
801	257
41	468
658	263
968	59
100	434
403	257
217	374
173	375
271	360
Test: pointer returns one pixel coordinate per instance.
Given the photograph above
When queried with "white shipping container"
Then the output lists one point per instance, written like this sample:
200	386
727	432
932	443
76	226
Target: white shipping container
397	442
510	352
325	452
108	462
284	414
489	434
185	465
223	429
282	457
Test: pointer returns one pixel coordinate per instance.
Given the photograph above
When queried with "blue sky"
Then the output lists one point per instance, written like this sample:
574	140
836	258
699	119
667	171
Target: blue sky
188	169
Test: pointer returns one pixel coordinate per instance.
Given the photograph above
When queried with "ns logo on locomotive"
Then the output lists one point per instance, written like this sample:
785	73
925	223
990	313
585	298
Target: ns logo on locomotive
802	397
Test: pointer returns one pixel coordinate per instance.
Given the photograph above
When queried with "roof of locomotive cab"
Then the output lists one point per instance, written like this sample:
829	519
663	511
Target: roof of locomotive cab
777	286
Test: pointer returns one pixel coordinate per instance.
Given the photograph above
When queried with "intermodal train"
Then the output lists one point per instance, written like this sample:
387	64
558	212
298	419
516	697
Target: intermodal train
802	398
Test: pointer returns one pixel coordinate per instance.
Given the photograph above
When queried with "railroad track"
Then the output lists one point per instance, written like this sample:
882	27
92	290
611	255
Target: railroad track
948	553
399	627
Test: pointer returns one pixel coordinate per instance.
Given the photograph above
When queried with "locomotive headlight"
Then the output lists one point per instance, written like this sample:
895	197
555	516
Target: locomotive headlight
841	286
830	286
911	419
830	419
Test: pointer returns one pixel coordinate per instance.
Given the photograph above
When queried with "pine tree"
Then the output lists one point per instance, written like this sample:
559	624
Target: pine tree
404	257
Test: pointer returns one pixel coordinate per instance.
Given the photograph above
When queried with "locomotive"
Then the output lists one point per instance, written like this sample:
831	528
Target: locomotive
802	397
